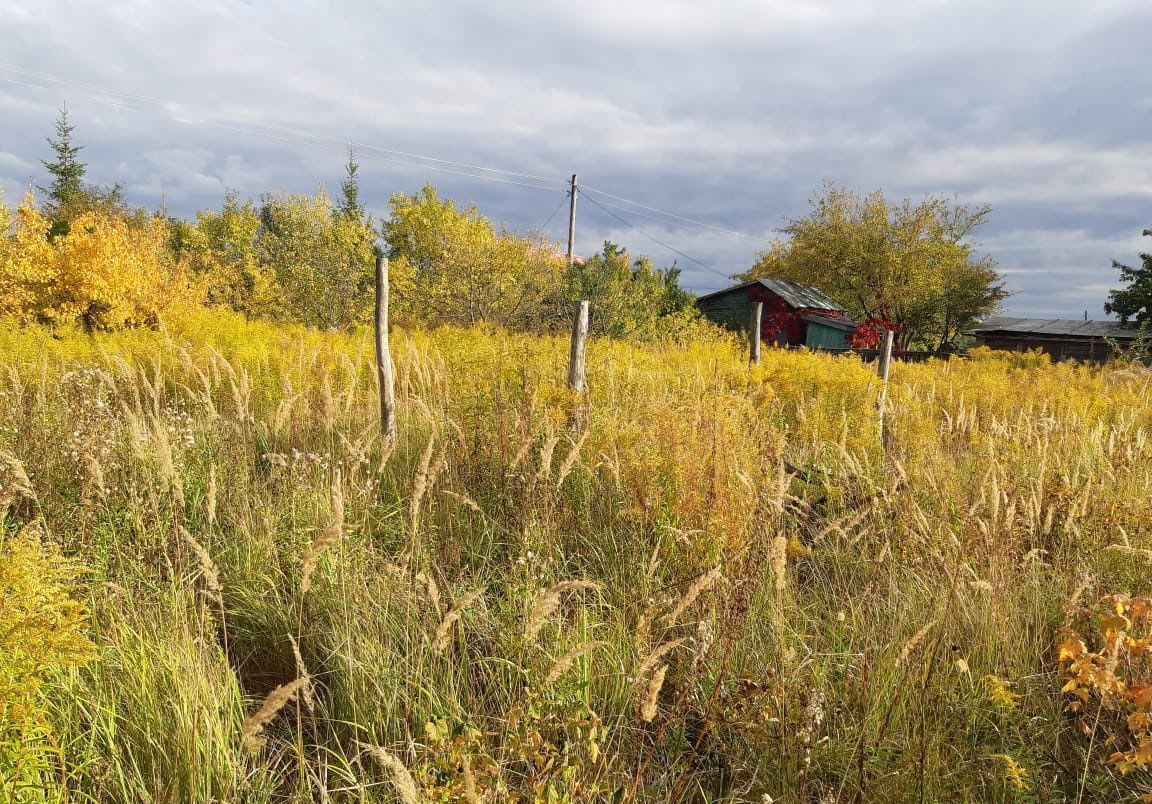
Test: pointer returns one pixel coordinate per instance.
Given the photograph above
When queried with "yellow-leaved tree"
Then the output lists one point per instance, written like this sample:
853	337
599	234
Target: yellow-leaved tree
221	250
105	272
453	265
910	264
322	260
26	259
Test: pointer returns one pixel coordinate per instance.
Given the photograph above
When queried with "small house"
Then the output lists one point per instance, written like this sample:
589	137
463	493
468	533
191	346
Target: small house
1062	339
793	315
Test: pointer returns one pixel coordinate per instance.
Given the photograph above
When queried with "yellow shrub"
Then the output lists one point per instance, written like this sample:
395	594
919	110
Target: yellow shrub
41	632
104	273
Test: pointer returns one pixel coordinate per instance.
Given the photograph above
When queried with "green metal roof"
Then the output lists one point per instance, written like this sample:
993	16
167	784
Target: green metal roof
800	296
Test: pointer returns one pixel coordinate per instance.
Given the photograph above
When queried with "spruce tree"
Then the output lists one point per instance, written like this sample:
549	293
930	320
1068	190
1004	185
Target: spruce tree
350	205
67	170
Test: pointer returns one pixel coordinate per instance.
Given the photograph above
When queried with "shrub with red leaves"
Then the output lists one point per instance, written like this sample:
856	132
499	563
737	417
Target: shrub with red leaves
869	334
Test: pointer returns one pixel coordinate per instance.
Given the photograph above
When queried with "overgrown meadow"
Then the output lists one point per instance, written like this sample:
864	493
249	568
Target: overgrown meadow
701	582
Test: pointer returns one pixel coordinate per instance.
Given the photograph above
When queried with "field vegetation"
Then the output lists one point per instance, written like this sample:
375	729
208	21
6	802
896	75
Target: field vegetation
698	581
702	581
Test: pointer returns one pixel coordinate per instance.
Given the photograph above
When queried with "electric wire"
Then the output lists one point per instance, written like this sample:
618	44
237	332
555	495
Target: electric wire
657	240
292	136
287	130
670	214
559	206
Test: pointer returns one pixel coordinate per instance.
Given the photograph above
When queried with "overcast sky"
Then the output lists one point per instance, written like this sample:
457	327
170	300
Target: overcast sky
729	113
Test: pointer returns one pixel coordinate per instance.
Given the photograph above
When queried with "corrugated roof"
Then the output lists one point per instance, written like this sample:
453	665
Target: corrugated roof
796	295
1055	327
836	322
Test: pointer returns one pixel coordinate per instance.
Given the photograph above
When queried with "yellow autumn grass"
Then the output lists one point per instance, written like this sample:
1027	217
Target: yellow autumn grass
709	548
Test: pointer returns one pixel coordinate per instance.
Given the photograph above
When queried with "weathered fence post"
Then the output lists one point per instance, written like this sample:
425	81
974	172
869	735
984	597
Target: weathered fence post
576	353
882	367
754	333
383	354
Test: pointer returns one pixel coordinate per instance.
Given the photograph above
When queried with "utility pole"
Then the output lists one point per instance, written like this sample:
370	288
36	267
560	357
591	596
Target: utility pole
571	216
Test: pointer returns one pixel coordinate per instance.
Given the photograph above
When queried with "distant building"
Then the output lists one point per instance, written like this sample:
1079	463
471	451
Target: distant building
1063	339
557	256
793	315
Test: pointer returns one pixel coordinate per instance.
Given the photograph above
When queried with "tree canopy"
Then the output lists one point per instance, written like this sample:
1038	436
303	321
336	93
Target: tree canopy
83	255
66	169
454	265
1134	302
321	259
909	264
629	296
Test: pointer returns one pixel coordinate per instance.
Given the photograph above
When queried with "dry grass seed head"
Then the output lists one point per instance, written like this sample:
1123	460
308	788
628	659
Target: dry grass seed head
14	480
471	795
420	485
548	601
654	657
302	672
567	660
96	485
213	589
546	453
694	591
401	779
433	590
914	642
440	638
569	462
522	450
463	500
276	700
329	536
648	706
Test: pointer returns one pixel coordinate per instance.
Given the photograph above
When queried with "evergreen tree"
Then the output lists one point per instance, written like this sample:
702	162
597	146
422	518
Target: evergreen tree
67	170
350	205
1135	301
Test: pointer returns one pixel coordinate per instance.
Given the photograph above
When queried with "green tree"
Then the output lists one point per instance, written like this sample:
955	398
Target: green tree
67	169
350	205
322	261
628	296
453	265
221	250
68	197
1134	302
909	263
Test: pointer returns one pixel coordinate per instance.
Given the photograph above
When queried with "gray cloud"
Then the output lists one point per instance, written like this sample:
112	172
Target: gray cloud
729	112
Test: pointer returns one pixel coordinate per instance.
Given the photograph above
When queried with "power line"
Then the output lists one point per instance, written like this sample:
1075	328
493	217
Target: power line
655	239
378	157
544	225
312	138
638	213
671	214
292	136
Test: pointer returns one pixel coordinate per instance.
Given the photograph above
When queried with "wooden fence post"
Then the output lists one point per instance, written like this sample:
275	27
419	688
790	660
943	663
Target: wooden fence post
882	368
383	353
576	353
754	333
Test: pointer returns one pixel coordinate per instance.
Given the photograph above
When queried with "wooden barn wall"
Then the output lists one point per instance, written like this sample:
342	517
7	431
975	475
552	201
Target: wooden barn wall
1088	349
729	310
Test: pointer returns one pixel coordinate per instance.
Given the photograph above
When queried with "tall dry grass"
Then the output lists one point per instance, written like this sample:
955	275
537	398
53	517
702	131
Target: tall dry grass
719	587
